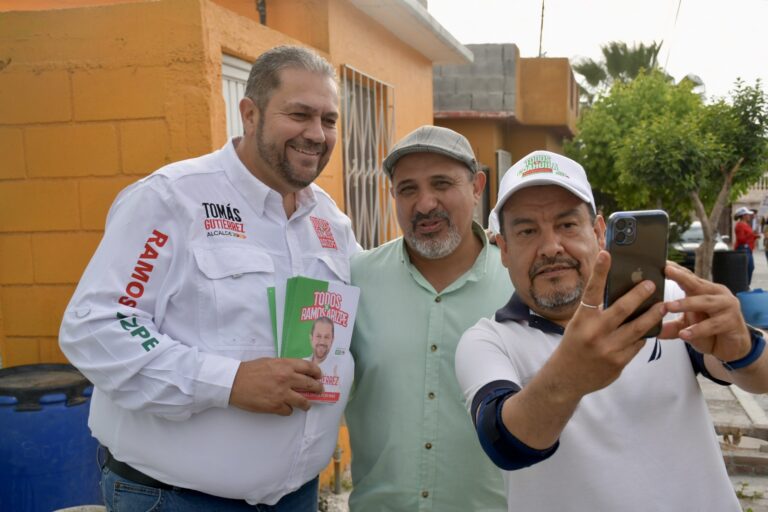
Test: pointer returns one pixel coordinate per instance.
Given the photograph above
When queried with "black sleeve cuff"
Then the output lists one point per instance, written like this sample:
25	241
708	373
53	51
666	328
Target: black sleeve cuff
697	361
501	446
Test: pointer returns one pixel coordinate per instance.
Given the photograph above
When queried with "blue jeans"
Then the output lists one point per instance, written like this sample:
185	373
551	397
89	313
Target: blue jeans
122	495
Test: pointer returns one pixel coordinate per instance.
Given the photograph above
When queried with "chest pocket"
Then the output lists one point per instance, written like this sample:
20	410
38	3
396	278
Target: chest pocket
330	268
233	298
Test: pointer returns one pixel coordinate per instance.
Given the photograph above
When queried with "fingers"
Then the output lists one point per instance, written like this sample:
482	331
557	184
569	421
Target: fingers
705	304
304	367
595	289
690	282
671	330
305	383
632	349
275	385
628	303
297	400
637	328
711	319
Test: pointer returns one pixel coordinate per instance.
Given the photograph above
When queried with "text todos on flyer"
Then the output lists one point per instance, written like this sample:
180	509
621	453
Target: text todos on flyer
326	304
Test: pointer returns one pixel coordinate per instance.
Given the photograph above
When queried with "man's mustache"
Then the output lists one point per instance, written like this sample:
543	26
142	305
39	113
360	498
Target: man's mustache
431	216
557	261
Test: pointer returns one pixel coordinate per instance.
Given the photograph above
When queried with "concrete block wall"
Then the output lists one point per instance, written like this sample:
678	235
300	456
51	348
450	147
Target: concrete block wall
489	84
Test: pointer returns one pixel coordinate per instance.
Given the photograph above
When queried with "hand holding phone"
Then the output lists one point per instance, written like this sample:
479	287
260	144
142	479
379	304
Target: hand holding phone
637	241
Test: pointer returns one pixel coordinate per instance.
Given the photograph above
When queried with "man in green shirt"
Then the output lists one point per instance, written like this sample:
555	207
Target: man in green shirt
413	444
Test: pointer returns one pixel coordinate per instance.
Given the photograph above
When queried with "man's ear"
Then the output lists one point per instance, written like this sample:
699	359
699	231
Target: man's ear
599	228
502	244
478	184
249	114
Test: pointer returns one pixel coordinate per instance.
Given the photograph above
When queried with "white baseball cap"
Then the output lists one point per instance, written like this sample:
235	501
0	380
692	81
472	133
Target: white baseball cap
742	211
543	168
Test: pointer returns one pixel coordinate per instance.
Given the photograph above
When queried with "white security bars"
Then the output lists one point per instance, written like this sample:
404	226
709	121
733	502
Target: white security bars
368	132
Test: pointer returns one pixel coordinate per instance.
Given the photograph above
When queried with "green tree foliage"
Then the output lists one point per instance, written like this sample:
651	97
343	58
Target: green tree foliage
620	63
650	143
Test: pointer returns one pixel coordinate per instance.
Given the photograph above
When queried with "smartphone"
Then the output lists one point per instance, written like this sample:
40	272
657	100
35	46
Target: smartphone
637	242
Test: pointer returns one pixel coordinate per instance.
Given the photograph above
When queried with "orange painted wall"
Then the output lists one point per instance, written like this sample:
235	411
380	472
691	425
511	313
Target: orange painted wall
547	93
521	140
93	98
45	5
303	20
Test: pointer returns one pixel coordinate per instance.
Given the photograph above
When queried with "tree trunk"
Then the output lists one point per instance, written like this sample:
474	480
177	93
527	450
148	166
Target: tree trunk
705	251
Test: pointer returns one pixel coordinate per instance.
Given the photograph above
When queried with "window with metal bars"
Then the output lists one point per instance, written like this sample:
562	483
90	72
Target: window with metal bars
367	133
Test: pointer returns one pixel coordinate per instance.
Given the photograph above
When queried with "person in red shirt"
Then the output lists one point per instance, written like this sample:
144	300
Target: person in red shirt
745	237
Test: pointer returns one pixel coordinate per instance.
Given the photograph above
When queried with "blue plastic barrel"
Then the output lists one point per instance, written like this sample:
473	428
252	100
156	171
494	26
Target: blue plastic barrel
47	454
754	307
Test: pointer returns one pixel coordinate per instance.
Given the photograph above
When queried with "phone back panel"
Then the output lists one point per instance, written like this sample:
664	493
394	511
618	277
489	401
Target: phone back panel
637	241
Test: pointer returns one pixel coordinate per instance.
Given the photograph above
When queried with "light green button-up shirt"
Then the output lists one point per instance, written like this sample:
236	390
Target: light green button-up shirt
414	447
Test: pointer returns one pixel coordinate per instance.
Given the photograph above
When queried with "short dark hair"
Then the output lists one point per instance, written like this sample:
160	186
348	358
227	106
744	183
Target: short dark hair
264	77
592	217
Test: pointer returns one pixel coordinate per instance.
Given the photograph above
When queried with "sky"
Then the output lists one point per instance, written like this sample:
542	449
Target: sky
718	40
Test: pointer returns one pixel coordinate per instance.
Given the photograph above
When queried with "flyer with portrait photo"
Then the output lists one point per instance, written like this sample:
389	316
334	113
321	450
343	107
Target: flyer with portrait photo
313	320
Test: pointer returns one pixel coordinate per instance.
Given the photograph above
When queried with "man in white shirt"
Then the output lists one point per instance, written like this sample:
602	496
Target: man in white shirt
171	321
579	409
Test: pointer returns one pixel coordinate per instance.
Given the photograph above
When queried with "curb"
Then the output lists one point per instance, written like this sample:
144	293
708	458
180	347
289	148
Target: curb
745	461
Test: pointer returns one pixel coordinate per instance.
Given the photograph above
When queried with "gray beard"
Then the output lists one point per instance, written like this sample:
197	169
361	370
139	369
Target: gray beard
558	299
434	248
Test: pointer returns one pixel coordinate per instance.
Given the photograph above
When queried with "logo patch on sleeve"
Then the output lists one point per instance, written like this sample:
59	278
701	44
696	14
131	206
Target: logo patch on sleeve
324	232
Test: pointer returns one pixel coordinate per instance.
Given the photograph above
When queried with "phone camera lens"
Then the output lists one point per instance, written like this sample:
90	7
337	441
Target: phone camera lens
620	224
620	237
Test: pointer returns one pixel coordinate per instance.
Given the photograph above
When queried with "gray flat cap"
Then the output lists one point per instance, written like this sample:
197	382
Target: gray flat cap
432	139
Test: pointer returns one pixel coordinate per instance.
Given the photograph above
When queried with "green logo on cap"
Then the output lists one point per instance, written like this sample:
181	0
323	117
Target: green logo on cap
539	164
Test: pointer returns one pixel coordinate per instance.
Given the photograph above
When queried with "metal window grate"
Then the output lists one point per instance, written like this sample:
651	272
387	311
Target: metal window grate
368	133
234	75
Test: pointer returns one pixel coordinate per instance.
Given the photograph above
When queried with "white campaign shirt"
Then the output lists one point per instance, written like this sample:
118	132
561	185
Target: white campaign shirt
174	298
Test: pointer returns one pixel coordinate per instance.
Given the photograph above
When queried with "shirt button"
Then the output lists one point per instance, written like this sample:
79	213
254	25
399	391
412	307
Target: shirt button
433	348
428	446
438	298
431	395
425	494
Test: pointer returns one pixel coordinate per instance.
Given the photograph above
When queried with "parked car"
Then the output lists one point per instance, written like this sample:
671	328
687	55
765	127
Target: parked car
690	239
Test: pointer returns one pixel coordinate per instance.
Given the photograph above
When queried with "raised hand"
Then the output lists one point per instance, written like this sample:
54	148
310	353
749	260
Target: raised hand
711	319
596	346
